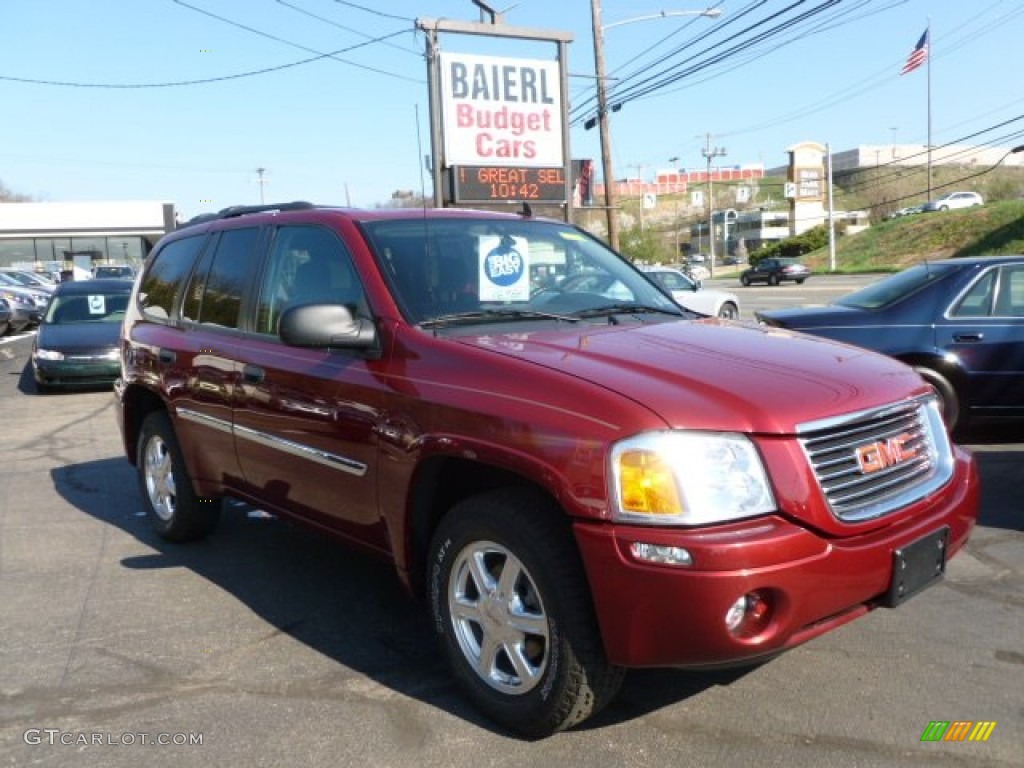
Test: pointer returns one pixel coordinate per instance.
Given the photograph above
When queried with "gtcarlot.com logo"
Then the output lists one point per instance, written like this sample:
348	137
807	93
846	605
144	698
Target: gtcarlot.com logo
958	730
57	737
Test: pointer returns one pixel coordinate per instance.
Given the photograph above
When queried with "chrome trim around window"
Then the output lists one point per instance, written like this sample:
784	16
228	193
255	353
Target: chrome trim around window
327	459
332	460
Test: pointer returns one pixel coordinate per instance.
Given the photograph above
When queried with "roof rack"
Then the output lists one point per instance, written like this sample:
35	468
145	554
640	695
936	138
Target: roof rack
243	210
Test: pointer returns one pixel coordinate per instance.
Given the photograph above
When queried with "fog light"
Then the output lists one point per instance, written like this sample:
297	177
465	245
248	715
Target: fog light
657	553
748	615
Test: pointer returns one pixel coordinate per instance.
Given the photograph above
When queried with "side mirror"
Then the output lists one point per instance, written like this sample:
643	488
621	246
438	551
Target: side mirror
326	325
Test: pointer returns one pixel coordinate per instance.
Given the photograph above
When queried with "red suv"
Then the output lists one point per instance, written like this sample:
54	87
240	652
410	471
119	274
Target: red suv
580	477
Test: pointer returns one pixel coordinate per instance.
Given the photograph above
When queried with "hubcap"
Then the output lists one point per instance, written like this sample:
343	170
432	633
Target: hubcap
159	476
498	618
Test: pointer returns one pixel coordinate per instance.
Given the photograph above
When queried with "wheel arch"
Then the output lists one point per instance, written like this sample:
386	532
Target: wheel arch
441	482
136	404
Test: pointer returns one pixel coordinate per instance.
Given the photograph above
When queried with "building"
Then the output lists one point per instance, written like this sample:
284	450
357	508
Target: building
869	156
61	236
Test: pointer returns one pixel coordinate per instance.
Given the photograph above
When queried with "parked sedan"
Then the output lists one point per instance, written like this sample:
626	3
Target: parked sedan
29	279
26	306
959	322
77	340
954	200
774	271
689	294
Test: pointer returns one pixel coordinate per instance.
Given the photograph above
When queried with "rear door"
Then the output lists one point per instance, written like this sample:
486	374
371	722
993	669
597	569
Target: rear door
985	330
201	368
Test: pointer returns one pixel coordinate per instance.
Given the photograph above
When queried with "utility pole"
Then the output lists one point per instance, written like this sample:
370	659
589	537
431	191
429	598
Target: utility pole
262	182
612	215
710	153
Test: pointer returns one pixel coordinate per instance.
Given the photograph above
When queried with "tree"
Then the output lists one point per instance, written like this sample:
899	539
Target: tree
6	196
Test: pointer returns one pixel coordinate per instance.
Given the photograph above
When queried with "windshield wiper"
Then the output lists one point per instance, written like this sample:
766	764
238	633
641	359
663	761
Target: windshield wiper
624	308
490	315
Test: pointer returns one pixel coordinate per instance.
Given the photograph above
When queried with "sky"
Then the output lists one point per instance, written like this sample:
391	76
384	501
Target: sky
182	101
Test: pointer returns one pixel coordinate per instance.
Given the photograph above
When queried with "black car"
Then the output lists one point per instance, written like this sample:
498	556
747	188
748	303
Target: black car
775	270
959	322
77	341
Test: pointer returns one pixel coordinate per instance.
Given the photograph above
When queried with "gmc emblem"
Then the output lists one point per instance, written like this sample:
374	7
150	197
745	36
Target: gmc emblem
880	455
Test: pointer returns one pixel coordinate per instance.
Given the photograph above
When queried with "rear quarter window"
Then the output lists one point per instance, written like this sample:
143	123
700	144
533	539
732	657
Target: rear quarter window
166	276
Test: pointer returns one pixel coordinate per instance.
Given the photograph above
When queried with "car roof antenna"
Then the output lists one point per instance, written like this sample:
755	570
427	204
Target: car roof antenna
527	211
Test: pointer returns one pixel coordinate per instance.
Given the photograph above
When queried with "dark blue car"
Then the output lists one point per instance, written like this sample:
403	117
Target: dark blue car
959	322
77	342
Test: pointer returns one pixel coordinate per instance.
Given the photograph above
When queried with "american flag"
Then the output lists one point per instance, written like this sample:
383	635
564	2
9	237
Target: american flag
918	56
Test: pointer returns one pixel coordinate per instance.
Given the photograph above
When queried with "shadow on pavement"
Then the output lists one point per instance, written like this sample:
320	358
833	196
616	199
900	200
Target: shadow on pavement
345	605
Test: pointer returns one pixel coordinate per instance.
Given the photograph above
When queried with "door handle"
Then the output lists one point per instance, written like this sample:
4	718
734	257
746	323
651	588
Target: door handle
167	356
968	336
252	374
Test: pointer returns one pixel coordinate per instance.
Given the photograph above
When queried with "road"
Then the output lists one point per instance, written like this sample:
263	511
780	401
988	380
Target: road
278	648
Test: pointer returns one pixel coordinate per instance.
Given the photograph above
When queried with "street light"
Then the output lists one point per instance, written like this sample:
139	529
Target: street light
602	104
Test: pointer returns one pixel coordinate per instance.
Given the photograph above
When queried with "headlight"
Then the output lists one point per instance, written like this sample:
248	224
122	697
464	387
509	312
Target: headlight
48	354
688	478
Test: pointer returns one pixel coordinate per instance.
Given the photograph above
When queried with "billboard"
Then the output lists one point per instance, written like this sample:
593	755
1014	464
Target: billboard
499	111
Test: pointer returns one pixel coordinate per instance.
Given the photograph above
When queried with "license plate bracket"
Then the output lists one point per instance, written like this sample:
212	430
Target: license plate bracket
917	566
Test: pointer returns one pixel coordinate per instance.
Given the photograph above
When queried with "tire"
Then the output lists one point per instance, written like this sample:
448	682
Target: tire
773	279
943	207
800	280
949	401
728	311
745	280
173	508
523	644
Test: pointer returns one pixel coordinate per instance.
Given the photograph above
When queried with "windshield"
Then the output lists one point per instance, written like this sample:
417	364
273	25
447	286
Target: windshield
896	287
490	270
87	308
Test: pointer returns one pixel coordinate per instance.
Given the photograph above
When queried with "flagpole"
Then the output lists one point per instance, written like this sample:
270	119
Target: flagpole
931	53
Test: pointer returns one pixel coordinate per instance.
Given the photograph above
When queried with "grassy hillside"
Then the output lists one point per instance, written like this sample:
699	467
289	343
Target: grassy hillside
892	245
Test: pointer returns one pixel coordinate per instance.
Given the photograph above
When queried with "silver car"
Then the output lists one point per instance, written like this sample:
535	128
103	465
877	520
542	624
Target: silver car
954	200
688	293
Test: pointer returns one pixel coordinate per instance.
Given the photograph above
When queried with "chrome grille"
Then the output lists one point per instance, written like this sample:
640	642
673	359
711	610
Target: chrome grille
875	462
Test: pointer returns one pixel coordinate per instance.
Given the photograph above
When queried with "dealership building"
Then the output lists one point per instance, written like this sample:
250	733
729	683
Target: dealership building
60	236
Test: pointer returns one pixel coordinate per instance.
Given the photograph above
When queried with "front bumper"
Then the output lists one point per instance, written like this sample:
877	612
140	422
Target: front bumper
659	615
72	373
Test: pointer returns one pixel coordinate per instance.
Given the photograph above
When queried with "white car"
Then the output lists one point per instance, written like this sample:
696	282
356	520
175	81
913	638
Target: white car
954	200
689	294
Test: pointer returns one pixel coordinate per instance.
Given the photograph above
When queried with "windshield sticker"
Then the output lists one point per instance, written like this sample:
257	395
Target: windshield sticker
571	236
504	268
98	305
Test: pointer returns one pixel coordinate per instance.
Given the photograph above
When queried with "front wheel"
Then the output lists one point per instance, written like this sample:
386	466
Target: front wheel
745	280
729	311
174	509
514	614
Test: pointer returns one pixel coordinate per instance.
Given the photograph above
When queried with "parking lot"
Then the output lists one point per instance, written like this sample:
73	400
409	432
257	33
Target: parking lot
266	645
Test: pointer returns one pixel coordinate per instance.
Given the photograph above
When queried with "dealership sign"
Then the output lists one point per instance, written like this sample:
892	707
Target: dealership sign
501	112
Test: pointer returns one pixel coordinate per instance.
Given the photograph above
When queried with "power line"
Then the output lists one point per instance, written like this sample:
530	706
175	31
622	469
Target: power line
297	45
202	81
333	23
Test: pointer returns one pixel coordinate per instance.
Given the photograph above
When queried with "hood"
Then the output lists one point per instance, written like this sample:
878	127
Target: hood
710	374
78	336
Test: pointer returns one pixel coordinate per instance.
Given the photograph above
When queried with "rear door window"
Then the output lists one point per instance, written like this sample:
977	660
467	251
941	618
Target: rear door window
214	295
